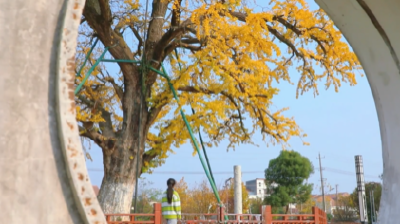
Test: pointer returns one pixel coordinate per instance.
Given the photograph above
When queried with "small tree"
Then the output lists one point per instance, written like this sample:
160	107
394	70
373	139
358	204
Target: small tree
345	211
227	197
370	186
182	188
306	207
146	197
289	172
201	199
255	205
319	202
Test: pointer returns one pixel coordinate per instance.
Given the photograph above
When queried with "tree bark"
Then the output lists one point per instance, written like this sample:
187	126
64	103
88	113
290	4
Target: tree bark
120	162
120	148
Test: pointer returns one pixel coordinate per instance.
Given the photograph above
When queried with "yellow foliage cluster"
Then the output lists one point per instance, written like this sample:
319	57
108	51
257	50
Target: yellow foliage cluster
229	75
306	208
201	199
233	75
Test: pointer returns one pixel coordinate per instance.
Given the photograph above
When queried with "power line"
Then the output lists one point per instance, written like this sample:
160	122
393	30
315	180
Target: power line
188	172
322	182
343	172
349	173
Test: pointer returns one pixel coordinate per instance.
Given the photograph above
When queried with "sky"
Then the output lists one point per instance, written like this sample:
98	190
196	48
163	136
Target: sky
339	126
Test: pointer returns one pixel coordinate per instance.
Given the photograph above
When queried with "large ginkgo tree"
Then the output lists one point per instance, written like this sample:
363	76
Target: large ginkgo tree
230	56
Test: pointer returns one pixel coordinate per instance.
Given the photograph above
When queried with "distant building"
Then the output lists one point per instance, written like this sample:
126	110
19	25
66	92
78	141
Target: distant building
257	188
330	201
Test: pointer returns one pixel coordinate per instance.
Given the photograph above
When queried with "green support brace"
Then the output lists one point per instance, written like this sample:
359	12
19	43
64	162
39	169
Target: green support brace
120	60
164	75
78	88
87	57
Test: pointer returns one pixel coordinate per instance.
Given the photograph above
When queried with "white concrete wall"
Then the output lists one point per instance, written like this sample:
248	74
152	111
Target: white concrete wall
372	28
43	176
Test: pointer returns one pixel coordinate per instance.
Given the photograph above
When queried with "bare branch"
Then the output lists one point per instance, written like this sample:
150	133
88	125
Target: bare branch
175	45
95	136
117	88
137	35
189	40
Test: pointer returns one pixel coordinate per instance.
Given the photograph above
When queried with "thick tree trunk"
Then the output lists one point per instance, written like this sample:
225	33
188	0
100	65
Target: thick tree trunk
120	161
120	148
118	184
116	194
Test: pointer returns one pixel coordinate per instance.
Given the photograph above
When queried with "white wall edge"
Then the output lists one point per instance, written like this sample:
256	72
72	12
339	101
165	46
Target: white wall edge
81	186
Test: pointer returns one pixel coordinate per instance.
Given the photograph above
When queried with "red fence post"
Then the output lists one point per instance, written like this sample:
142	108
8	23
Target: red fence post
108	218
221	213
131	218
157	213
268	215
323	217
316	215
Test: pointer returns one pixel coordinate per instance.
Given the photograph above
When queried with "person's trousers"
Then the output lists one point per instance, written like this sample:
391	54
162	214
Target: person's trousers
172	221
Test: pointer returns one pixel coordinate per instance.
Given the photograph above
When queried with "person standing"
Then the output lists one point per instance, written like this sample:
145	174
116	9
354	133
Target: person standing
171	203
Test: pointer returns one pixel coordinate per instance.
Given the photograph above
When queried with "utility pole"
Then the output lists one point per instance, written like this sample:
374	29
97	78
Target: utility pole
337	198
322	183
373	214
361	189
370	202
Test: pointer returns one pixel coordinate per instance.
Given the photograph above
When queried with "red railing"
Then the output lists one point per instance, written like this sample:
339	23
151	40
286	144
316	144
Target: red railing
317	217
152	218
239	218
320	216
187	218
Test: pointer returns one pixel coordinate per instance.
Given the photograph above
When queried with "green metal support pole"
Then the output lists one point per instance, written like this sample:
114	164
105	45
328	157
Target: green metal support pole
78	88
121	60
87	57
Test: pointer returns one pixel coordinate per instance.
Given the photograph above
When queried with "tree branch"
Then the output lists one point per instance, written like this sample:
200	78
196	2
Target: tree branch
230	97
105	127
189	40
176	14
117	88
170	35
105	9
242	17
95	136
168	49
137	35
98	15
153	113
